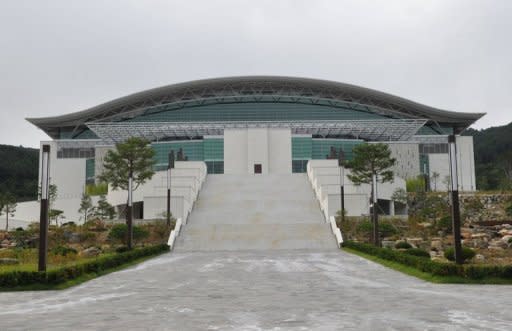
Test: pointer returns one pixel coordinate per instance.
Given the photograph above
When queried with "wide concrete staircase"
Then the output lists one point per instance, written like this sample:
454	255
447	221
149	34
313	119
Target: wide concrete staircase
255	212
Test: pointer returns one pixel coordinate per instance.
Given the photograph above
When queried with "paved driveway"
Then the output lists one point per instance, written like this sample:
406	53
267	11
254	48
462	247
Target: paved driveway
276	290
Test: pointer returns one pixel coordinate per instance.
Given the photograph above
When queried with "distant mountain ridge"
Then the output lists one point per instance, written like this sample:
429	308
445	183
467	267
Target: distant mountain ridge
493	147
19	171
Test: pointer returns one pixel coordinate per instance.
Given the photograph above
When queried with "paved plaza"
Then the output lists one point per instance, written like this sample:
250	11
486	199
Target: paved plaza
274	290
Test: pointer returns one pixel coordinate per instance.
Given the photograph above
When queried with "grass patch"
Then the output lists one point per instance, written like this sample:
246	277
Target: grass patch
429	276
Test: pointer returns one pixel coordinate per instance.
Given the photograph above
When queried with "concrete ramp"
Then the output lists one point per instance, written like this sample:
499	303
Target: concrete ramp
256	212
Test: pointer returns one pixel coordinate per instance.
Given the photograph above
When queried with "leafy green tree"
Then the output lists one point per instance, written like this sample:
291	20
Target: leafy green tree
104	209
371	160
8	206
55	215
400	196
415	185
133	158
85	205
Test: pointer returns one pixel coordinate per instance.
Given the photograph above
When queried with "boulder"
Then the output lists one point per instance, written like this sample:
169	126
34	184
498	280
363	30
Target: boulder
498	243
506	238
388	243
416	242
481	235
7	260
436	245
90	252
5	243
479	257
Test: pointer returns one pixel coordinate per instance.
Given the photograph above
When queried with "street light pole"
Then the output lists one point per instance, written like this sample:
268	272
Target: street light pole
43	219
376	237
341	159
169	167
129	210
454	187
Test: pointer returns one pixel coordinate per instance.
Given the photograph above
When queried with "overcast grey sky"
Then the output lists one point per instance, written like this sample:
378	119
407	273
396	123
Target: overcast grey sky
63	56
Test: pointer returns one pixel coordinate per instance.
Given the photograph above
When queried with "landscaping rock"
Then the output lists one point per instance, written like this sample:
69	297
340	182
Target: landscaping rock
90	252
479	257
498	243
8	261
388	243
506	238
437	245
415	242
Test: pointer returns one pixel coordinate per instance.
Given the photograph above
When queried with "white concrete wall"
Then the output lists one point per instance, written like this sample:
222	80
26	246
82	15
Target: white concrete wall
466	163
243	148
280	151
257	150
407	159
187	179
235	151
324	176
440	163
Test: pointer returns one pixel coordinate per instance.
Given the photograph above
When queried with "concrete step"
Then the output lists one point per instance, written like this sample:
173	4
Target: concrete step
256	212
228	237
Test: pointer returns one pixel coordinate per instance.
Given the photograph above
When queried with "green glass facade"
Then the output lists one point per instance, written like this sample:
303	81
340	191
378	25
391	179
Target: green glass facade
210	150
308	148
254	111
90	165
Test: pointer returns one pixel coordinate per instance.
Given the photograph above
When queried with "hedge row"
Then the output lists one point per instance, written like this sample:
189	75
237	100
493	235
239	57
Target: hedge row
61	275
433	267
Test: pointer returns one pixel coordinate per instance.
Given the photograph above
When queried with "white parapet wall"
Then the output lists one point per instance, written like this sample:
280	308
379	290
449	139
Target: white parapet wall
187	179
324	176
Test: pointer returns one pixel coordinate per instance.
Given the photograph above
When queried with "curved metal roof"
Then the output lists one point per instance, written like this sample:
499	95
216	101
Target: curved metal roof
218	90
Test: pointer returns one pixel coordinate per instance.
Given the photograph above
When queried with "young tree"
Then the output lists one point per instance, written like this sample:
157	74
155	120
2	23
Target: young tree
55	214
85	205
372	160
8	206
435	177
104	209
133	159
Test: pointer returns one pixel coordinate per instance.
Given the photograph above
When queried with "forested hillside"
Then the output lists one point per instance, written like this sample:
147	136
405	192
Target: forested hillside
493	157
18	171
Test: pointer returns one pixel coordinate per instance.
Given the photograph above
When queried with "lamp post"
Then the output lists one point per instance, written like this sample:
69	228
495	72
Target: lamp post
341	159
454	191
169	167
43	219
129	209
375	216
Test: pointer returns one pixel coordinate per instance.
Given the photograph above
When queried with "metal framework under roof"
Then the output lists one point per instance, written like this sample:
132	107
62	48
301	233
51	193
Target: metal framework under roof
372	130
254	89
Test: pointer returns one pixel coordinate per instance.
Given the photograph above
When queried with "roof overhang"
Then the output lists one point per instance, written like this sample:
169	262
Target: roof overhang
240	89
372	130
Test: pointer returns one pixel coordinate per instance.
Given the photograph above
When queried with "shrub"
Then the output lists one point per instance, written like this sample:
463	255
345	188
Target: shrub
385	229
63	250
119	232
403	245
122	249
508	210
467	254
53	277
417	252
444	224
